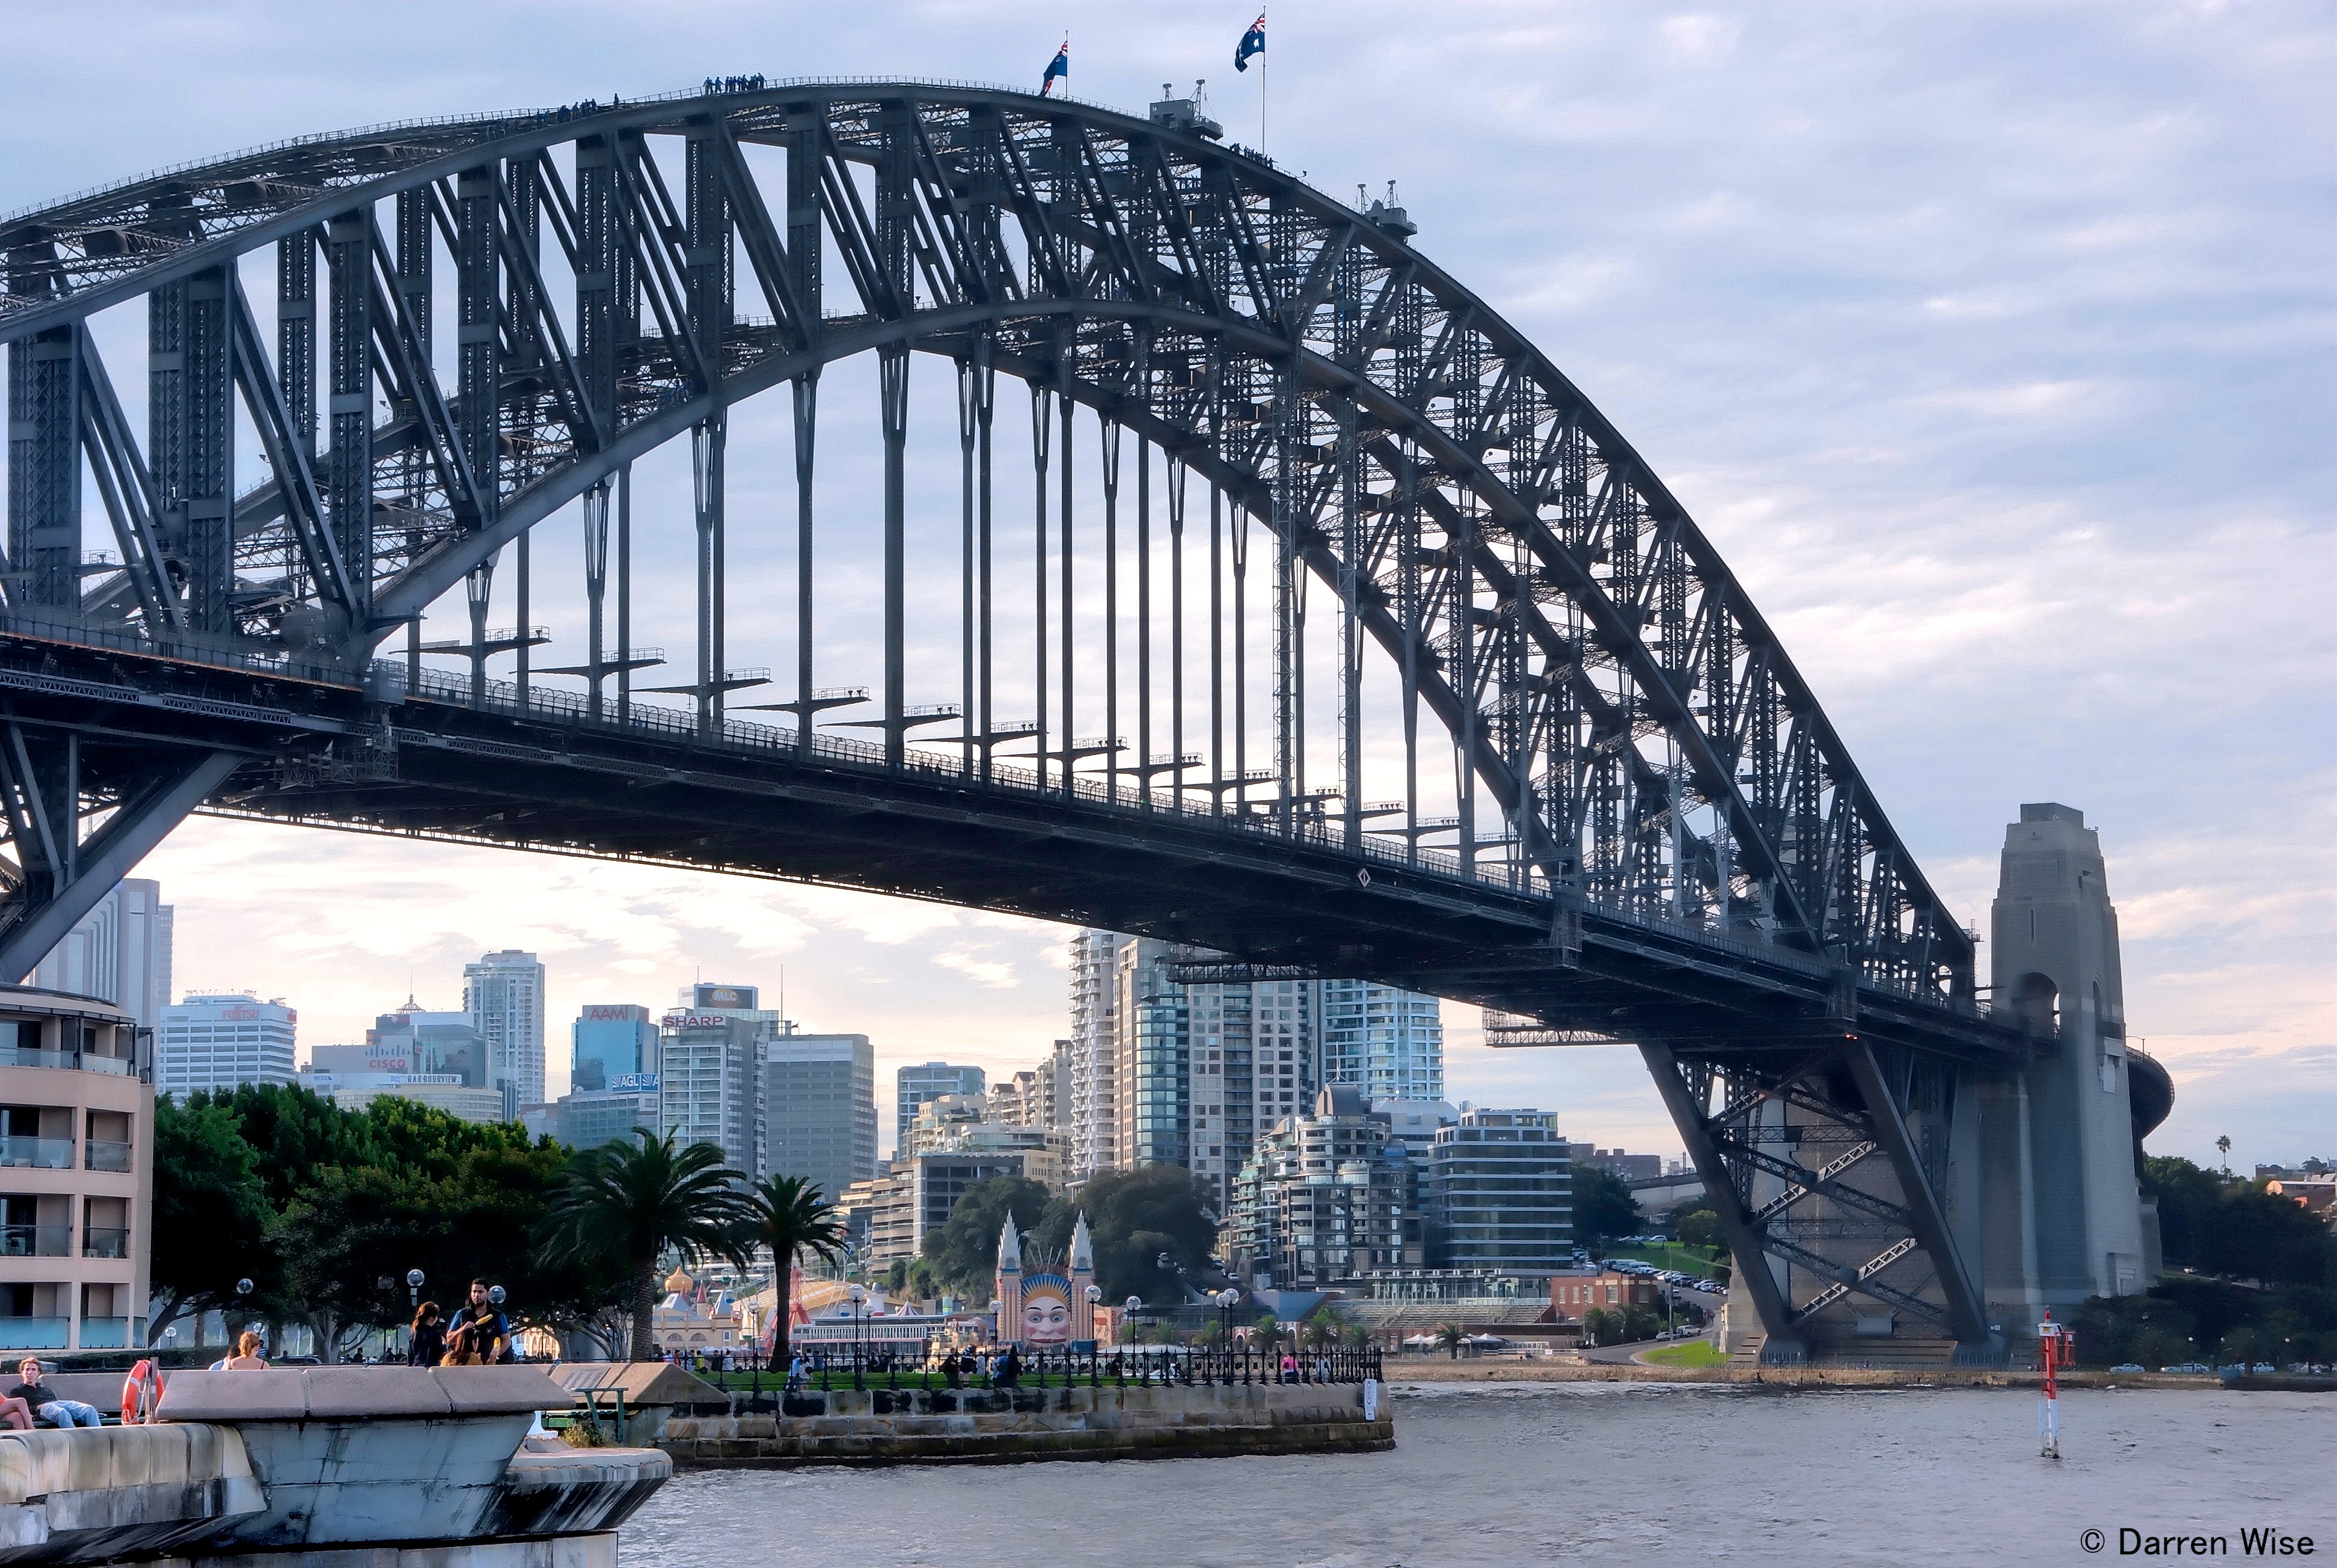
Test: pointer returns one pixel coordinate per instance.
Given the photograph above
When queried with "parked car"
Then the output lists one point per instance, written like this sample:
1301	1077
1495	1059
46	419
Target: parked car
2185	1366
2129	1366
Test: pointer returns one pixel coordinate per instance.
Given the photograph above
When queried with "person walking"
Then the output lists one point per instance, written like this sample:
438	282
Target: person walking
45	1402
427	1346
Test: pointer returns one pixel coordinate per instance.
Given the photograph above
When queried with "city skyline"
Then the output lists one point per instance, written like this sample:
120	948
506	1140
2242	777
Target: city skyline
2003	579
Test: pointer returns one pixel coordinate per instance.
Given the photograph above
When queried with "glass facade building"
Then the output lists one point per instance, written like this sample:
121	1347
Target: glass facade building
610	1042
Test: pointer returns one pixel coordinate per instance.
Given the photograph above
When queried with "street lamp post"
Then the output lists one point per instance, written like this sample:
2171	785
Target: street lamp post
859	1309
1128	1326
1095	1348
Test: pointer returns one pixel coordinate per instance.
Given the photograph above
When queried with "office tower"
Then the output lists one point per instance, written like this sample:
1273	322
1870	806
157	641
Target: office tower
913	1086
1386	1042
610	1042
820	1108
119	952
436	1059
1499	1193
218	1040
418	1042
503	994
708	1050
1094	1122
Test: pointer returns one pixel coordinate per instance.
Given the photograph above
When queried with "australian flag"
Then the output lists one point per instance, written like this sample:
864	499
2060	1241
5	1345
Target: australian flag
1253	43
1061	65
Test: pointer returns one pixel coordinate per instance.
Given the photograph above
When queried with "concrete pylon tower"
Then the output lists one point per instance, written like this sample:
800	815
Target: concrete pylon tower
2079	1225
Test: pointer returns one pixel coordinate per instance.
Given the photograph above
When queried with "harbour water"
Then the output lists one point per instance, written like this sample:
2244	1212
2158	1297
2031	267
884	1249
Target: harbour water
1488	1476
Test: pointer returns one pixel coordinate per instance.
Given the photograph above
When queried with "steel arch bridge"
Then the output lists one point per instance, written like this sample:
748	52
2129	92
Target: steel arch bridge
377	362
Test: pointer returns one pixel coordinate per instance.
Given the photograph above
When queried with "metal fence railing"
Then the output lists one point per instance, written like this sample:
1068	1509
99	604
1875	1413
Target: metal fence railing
757	1386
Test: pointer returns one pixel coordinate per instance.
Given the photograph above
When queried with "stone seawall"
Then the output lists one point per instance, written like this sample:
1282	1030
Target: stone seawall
1003	1427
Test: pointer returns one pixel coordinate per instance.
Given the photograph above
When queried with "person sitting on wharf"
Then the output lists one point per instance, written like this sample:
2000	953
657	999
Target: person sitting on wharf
429	1345
45	1402
16	1413
479	1335
246	1356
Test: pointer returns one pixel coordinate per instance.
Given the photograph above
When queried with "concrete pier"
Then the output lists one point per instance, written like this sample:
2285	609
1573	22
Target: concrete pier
328	1467
878	1426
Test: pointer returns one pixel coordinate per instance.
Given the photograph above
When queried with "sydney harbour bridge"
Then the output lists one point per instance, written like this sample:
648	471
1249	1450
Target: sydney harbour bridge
1297	608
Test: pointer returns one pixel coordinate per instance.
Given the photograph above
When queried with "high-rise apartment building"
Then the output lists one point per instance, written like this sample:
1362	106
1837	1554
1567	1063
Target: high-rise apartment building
119	952
818	1095
1499	1193
218	1040
914	1086
1385	1043
1161	1072
1327	1196
1094	1122
503	994
1152	1070
1037	1096
612	1045
708	1050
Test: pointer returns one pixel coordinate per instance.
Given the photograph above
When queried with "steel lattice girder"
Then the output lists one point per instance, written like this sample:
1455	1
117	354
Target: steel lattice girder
999	216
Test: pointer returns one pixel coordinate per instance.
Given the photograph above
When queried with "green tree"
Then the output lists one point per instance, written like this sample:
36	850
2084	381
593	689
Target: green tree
1321	1328
788	1215
2224	1147
209	1225
1604	1209
624	1205
963	1251
1699	1228
1133	1218
1451	1336
1598	1326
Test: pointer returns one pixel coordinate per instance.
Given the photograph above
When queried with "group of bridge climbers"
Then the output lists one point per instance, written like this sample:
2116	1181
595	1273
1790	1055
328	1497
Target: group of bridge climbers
735	83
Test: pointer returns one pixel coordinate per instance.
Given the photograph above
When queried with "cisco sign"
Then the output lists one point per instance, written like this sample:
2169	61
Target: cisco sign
634	1081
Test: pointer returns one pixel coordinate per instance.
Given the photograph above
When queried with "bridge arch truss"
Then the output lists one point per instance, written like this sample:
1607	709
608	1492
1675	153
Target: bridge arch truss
480	322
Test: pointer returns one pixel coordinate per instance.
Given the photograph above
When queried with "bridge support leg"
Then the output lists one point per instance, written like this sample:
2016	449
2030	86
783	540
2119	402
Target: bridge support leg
1927	1220
44	795
1782	1340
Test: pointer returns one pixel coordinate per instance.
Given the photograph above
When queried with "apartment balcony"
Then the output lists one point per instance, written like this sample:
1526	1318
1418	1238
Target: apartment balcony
39	1153
36	1240
103	1242
105	1333
105	1154
35	1333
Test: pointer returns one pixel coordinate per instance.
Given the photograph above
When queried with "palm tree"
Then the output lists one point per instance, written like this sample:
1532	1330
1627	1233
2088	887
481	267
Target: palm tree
788	1215
2224	1147
1451	1336
624	1204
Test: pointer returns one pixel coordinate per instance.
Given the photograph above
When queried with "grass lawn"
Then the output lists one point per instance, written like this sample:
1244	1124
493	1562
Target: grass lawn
1672	1255
1695	1353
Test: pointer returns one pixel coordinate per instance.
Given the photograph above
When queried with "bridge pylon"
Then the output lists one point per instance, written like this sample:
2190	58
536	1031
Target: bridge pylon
1872	1194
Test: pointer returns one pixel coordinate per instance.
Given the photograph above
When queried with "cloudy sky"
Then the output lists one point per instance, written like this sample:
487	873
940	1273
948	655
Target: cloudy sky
1991	342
